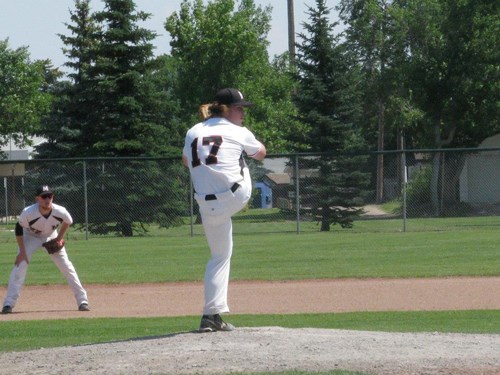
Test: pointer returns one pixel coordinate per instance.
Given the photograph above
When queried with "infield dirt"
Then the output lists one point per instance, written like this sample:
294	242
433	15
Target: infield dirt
268	349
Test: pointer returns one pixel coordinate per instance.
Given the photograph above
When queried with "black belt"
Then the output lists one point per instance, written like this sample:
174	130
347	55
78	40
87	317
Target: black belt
212	197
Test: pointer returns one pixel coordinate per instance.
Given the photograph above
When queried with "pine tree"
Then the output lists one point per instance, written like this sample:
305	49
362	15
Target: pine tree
326	99
66	128
123	96
116	106
130	112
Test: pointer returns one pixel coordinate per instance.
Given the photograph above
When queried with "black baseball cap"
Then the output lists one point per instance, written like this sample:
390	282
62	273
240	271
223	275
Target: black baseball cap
43	189
230	96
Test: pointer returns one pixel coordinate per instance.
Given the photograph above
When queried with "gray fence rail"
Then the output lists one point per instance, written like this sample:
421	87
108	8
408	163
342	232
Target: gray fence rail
410	190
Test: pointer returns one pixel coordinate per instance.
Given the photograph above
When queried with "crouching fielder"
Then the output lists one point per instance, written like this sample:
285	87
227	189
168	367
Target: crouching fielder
38	224
213	152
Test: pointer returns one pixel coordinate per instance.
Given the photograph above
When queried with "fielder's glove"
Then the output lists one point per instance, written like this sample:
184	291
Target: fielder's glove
53	246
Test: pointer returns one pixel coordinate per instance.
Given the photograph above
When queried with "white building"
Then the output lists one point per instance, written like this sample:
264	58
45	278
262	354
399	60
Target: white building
480	177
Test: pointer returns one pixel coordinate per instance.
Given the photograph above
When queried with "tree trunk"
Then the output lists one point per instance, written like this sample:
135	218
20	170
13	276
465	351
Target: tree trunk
451	188
325	219
436	166
127	229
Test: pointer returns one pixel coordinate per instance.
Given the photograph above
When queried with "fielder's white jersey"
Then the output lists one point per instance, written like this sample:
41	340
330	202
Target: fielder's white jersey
214	150
38	225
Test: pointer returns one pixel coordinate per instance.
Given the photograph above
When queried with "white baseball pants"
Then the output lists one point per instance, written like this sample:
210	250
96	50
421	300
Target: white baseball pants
61	260
216	217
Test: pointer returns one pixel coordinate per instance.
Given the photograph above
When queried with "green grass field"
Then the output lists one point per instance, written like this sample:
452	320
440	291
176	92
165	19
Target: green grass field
261	221
274	256
261	256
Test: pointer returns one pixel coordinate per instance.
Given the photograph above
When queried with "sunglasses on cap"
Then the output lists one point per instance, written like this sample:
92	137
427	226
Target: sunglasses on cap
45	196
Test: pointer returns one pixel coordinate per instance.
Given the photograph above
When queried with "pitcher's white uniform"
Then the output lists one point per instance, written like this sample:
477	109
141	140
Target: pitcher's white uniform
38	229
221	179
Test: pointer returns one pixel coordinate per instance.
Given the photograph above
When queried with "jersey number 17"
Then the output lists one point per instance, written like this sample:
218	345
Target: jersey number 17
214	141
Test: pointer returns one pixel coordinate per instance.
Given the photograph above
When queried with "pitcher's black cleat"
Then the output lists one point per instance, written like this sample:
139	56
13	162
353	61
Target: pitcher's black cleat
212	323
84	307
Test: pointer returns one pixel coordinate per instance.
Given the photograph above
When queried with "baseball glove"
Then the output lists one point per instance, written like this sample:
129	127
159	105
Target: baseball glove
53	246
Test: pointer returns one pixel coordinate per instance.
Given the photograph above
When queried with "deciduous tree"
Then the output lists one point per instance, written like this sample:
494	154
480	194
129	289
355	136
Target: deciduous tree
220	44
452	71
23	100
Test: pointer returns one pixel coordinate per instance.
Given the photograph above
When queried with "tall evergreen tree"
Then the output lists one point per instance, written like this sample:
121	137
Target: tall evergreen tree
327	102
129	110
116	106
124	54
67	126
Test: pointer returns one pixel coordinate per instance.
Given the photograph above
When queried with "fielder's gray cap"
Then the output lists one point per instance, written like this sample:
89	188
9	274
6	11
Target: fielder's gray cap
231	96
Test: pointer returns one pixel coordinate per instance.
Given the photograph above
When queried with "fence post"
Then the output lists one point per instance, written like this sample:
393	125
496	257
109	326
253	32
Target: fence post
85	200
297	198
22	191
441	200
6	201
405	182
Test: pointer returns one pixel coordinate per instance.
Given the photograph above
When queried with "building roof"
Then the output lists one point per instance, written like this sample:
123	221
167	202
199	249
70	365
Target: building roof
278	178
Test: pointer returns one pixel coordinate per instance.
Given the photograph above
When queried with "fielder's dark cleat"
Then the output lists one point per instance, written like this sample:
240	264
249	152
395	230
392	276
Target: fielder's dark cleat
84	307
7	310
212	323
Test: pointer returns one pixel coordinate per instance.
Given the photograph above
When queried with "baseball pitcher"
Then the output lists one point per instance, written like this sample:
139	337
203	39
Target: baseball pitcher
213	152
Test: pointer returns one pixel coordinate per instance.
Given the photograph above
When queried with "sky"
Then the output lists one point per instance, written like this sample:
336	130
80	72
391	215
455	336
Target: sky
36	23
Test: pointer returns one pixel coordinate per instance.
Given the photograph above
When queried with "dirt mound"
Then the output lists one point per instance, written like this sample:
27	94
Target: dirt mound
270	349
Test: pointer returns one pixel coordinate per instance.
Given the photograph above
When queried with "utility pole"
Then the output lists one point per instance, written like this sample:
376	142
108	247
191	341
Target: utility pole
291	30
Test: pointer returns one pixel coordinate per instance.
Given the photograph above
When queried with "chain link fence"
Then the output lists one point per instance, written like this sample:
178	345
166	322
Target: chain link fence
396	191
